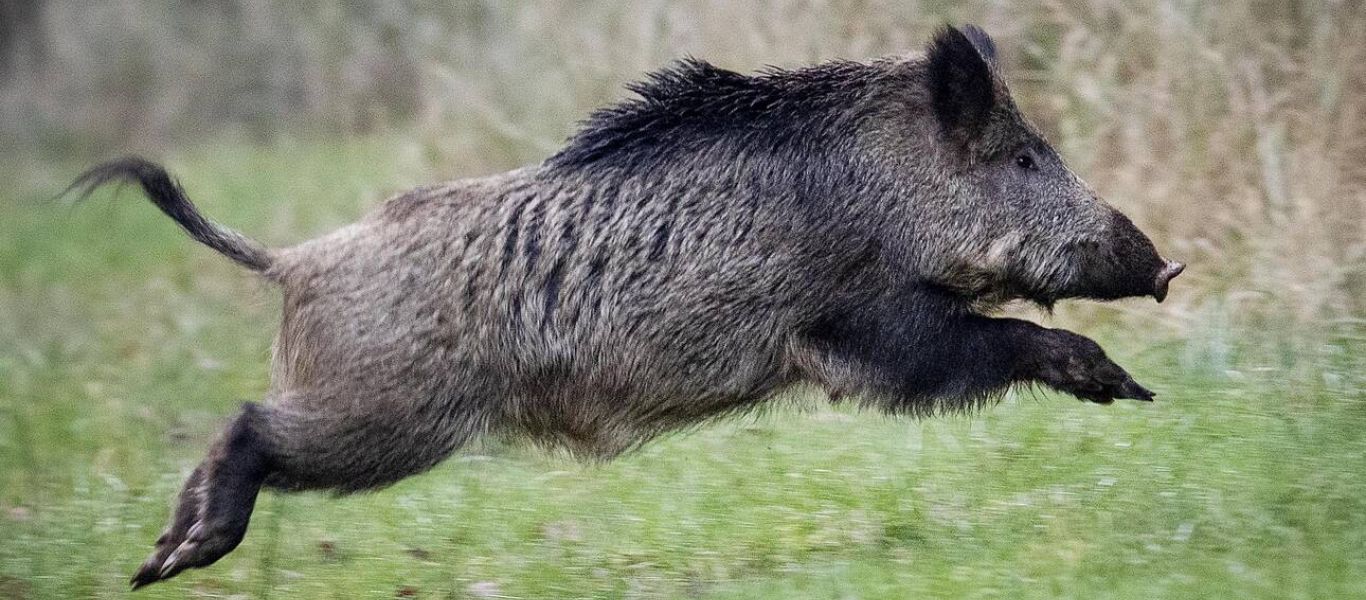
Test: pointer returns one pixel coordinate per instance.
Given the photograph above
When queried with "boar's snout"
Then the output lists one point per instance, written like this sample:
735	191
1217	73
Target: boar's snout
1125	264
1164	277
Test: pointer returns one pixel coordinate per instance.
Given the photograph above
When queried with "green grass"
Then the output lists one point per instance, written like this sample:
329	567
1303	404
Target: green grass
124	346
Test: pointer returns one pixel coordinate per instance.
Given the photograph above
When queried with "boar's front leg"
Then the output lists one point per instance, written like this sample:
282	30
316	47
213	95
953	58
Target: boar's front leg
926	351
1074	364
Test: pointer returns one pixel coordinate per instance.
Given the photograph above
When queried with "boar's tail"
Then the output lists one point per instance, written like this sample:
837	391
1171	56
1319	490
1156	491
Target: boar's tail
170	198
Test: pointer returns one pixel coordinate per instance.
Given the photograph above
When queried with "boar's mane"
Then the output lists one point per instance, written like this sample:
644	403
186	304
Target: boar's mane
694	106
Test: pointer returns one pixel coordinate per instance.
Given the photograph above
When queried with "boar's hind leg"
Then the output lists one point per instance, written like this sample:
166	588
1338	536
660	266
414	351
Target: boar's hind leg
215	504
299	442
348	449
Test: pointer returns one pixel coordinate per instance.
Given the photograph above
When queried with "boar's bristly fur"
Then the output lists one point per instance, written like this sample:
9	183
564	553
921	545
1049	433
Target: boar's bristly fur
692	252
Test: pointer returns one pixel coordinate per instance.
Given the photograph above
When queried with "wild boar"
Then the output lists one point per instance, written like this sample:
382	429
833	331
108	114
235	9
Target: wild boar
692	252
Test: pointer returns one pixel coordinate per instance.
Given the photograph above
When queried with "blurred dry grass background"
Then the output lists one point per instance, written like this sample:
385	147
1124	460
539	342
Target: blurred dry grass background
1233	131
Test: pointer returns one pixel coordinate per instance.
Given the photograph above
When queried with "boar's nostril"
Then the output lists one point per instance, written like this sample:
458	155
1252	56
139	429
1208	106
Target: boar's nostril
1164	277
1170	271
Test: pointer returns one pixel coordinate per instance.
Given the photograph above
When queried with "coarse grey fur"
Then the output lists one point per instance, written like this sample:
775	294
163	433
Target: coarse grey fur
691	253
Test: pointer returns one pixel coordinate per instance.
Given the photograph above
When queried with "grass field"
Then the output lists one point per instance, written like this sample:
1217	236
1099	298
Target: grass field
124	346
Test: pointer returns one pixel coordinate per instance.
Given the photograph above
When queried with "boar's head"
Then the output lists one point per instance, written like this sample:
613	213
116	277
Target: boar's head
996	214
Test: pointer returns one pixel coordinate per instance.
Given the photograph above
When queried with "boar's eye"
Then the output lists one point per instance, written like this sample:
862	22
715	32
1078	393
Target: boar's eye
1025	161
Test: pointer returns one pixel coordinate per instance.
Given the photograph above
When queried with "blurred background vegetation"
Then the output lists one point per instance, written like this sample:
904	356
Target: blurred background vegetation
1233	132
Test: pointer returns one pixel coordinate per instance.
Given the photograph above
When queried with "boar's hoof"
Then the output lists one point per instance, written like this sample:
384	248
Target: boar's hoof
1131	390
203	544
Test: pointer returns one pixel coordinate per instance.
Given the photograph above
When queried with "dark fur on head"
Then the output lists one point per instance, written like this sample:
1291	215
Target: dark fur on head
693	252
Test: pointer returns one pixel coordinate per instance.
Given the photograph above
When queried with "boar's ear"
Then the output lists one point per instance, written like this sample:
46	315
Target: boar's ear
962	82
982	42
